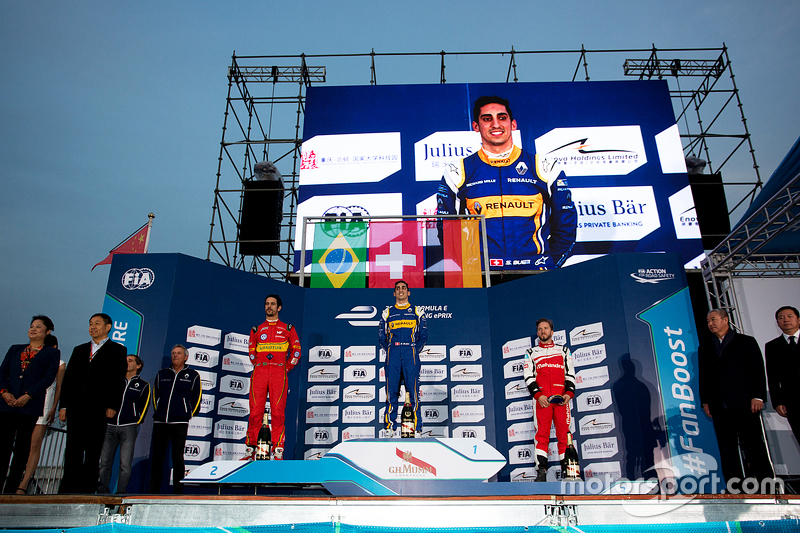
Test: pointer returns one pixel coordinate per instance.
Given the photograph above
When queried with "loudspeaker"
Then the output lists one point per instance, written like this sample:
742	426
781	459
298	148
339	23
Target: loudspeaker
711	208
262	212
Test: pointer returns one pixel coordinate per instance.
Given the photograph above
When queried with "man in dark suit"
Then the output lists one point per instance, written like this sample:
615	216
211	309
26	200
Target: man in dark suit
783	367
90	393
733	388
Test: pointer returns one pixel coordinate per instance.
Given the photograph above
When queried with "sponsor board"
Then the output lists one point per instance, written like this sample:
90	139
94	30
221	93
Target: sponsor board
322	435
519	410
559	337
138	279
234	362
522	454
230	429
521	475
229	451
324	354
596	424
521	431
619	213
600	448
517	389
466	372
593	401
382	374
591	377
469	432
203	335
208	379
234	384
313	454
233	406
322	393
359	393
467	413
433	353
360	373
359	354
322	414
432	372
323	373
653	276
586	334
401	398
516	347
433	413
513	369
467	393
432	393
358	432
684	215
203	357
196	450
612	150
237	342
465	352
358	414
206	404
200	426
590	355
349	158
610	469
434	432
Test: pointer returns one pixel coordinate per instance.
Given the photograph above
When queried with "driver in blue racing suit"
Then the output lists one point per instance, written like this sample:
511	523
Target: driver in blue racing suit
531	220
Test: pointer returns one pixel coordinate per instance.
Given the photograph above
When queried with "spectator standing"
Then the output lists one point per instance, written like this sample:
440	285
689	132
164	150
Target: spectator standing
783	367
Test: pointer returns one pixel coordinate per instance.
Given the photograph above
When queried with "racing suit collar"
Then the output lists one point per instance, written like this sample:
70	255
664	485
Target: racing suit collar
403	306
547	344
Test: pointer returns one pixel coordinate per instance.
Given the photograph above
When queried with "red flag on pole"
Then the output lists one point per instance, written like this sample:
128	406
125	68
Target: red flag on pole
135	244
462	260
395	252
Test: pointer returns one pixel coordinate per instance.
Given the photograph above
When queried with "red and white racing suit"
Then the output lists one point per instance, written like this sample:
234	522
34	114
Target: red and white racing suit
274	351
548	370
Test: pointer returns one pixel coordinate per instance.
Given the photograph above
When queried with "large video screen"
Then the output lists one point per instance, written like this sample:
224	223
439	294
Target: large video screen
595	167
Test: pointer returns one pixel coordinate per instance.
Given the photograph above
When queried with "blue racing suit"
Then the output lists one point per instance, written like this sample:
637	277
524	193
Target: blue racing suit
403	333
531	222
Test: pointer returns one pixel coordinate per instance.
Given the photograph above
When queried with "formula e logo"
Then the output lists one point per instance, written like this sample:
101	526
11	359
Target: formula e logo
360	316
138	278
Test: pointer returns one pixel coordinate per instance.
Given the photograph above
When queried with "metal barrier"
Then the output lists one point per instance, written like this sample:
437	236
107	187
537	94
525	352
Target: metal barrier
50	469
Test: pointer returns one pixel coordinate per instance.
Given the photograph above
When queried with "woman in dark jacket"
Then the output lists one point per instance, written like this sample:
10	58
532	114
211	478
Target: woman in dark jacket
25	374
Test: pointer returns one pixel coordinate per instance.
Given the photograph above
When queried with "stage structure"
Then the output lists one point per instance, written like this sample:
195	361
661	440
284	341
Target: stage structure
265	109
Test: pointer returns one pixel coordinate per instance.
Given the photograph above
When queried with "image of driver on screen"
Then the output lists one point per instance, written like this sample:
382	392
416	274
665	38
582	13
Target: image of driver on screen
531	220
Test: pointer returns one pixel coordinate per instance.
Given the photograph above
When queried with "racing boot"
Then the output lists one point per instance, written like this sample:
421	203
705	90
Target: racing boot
277	454
541	471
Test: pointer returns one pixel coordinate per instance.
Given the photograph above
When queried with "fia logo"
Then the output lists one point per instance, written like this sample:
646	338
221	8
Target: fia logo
469	434
359	373
138	279
201	357
321	435
465	353
431	413
191	450
236	384
524	453
594	400
324	354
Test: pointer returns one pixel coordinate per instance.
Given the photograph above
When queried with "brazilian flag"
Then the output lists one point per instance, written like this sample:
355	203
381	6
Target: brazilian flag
340	255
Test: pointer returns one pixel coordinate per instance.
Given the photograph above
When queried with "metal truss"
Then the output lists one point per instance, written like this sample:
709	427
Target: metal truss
265	105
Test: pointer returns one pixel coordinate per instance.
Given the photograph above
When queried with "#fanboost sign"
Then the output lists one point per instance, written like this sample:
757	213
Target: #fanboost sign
609	170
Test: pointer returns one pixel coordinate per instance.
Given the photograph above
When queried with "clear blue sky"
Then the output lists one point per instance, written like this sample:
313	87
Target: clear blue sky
111	110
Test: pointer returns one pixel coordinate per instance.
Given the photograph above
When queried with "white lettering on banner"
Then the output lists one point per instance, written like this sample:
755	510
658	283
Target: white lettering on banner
196	450
322	435
204	357
237	342
361	373
313	454
467	413
358	432
592	150
591	377
432	372
230	429
465	352
199	426
432	393
433	153
324	354
433	353
590	355
467	393
600	448
322	414
234	362
521	431
584	334
322	393
323	373
682	391
469	432
466	373
434	413
519	410
138	278
513	369
522	475
361	414
597	424
359	354
516	347
684	215
359	393
203	335
522	454
234	385
615	213
229	451
594	401
206	404
516	389
610	469
559	337
233	406
208	379
349	158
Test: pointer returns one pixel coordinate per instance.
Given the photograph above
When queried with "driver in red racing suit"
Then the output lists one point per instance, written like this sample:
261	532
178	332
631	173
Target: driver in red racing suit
548	371
274	351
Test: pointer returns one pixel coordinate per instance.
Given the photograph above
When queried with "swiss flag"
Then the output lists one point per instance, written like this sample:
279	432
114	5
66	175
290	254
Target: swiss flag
395	253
